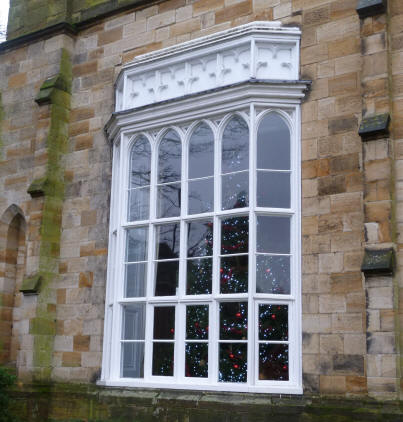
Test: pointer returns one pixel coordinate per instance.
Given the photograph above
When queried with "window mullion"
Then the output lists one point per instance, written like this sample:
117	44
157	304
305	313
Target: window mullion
121	245
148	348
180	330
213	311
252	248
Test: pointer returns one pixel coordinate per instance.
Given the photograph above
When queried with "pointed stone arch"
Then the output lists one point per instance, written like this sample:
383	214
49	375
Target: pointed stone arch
12	266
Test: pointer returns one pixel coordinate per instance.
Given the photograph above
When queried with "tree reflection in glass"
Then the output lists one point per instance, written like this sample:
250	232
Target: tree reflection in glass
167	255
235	146
169	172
199	244
139	183
235	164
201	170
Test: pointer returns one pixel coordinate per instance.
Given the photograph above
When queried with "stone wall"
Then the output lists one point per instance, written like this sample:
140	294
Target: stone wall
351	190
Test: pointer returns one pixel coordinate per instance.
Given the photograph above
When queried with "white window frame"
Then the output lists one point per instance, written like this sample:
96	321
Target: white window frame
253	100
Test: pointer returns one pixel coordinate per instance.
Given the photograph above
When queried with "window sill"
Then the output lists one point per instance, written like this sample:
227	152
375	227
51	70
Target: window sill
278	388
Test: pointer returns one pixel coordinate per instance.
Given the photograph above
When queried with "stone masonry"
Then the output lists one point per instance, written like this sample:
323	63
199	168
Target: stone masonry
352	189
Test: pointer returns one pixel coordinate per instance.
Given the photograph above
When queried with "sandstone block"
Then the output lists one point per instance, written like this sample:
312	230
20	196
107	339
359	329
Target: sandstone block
81	343
71	359
347	323
330	263
331	344
160	20
345	84
332	384
354	344
332	303
381	343
314	54
344	47
310	343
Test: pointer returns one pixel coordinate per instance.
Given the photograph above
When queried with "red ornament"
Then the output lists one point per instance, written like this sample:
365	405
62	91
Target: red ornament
273	316
285	367
172	330
221	270
238	315
231	355
236	366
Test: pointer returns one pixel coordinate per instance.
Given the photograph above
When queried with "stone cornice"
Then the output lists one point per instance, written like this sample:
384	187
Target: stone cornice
258	50
215	101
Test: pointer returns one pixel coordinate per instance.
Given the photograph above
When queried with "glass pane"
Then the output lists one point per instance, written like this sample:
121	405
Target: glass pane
167	241
136	278
199	276
273	143
201	196
234	235
273	234
164	322
273	362
167	277
234	321
273	322
235	146
234	274
197	322
136	244
163	359
134	321
133	360
196	364
169	158
169	200
200	238
273	189
201	152
140	163
139	204
233	362
273	274
235	191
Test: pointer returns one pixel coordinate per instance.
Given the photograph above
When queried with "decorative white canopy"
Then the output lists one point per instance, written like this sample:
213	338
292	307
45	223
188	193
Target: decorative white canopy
256	51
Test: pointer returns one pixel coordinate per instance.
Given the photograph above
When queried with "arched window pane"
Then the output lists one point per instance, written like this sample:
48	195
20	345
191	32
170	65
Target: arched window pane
201	152
235	160
273	163
140	163
201	165
169	172
235	146
140	171
273	144
169	158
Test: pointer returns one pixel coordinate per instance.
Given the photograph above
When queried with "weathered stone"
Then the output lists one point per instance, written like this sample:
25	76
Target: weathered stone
378	261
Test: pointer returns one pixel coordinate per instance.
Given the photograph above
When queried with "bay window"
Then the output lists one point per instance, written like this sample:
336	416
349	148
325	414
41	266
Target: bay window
204	255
